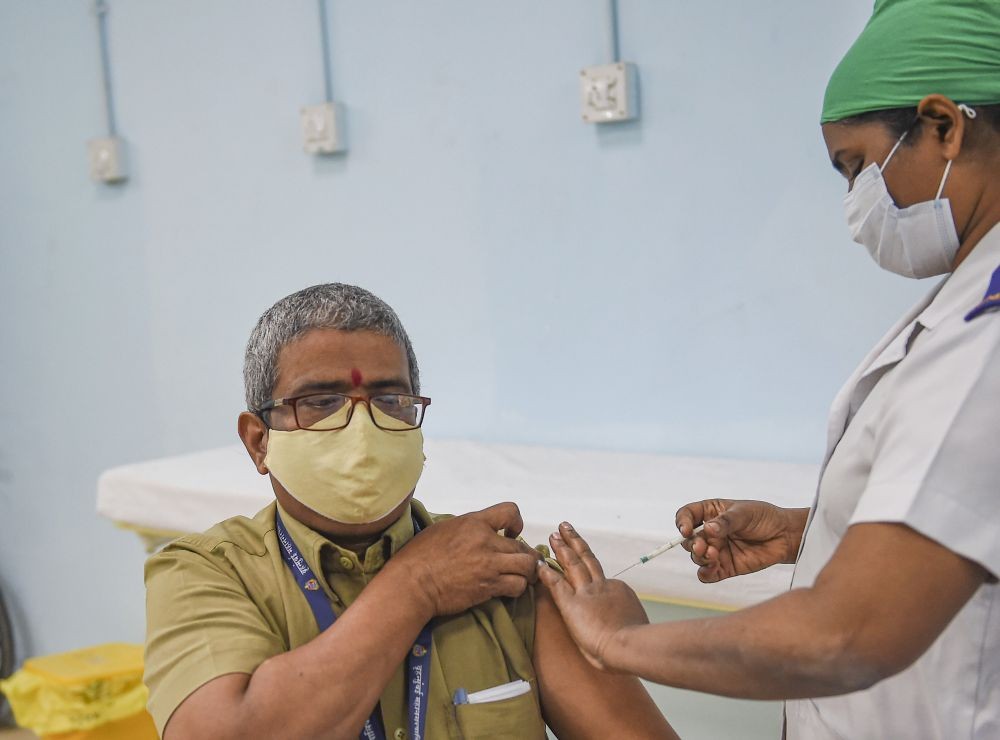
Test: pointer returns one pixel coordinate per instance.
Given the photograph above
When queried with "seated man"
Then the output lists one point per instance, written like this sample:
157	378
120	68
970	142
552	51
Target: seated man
344	609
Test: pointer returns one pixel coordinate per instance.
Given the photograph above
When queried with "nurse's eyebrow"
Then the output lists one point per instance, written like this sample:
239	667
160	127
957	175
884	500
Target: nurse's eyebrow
835	161
842	168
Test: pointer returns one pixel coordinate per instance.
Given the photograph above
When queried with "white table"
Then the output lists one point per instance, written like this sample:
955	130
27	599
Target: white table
624	503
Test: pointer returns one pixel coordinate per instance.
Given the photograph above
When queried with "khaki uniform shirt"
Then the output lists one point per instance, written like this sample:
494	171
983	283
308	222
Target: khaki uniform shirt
914	438
224	602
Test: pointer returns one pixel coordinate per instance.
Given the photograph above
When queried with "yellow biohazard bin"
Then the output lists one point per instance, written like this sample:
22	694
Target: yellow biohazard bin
91	694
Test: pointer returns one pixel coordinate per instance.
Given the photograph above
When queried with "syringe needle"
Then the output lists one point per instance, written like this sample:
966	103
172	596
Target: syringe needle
637	562
660	550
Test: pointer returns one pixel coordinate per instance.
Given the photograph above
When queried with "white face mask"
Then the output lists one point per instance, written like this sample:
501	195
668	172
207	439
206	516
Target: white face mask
916	242
354	475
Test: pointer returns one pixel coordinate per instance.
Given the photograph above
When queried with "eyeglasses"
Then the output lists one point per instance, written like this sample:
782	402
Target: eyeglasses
326	412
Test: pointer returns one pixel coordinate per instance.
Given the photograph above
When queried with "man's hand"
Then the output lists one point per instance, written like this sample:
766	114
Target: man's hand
460	562
595	609
740	537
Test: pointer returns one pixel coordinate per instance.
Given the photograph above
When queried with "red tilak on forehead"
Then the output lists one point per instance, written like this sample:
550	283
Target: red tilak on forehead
356	377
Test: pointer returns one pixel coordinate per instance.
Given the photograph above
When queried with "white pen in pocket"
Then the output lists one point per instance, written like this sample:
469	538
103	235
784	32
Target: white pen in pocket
496	693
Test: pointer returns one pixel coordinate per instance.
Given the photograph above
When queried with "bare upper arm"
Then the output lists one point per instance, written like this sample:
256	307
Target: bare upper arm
210	711
579	700
890	591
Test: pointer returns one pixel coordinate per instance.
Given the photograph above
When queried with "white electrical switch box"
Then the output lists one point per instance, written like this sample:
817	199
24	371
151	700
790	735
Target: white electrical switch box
107	159
323	128
609	93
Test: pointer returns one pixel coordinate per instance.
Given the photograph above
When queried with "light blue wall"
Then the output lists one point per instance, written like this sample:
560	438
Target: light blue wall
683	284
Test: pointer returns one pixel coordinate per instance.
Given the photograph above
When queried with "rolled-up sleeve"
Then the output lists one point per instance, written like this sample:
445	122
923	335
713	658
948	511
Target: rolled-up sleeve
936	464
200	624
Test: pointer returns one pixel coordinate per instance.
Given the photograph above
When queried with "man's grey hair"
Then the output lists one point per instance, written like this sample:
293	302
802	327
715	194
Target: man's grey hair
328	306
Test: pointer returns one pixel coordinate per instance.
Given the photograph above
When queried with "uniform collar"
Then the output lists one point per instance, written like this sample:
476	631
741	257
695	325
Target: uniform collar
962	290
324	555
956	294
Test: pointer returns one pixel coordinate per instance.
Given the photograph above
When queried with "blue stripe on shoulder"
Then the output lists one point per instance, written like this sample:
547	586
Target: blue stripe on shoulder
990	301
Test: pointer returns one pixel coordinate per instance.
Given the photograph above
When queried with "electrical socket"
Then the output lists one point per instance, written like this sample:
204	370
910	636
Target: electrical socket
323	128
107	159
609	93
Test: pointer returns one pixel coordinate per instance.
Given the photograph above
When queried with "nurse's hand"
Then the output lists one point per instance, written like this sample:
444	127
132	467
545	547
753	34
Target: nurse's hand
740	537
595	609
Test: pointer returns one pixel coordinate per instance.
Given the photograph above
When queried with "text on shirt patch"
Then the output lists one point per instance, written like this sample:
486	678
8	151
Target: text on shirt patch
296	558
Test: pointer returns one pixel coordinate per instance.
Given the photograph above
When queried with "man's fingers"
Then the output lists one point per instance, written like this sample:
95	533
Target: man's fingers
520	564
505	516
527	549
582	549
509	546
512	586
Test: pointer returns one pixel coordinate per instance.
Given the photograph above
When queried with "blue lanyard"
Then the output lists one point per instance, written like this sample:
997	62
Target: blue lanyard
418	662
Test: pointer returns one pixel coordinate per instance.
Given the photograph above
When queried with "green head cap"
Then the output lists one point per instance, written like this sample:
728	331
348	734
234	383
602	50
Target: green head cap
914	48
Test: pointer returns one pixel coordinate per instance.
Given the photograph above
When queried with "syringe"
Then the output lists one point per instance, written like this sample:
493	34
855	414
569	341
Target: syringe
660	550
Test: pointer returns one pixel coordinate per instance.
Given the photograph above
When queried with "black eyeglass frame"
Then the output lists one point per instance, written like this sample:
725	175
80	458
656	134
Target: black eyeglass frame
292	401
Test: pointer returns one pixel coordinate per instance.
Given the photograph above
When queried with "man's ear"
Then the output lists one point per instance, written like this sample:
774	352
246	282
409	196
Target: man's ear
254	435
943	116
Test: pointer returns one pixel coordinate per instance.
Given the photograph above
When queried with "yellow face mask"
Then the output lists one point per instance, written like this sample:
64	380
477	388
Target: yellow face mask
354	475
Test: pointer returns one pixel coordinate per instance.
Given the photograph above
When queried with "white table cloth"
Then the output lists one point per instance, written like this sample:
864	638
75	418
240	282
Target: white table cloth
624	503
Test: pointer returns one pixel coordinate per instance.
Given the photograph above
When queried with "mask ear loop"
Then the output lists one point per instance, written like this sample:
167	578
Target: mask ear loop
892	151
947	169
969	112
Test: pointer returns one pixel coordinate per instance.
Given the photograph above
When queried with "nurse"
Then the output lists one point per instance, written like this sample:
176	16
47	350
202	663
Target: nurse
892	626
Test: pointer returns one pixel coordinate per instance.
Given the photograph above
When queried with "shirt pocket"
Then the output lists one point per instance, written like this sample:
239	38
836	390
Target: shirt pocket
517	718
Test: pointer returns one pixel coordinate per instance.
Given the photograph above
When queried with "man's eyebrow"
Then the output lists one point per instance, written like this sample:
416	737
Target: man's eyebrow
345	387
378	385
320	386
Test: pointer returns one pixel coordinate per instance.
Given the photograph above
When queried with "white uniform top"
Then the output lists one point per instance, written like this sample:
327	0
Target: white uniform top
914	438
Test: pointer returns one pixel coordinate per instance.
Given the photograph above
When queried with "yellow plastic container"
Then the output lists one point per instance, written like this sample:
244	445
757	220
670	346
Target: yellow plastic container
91	694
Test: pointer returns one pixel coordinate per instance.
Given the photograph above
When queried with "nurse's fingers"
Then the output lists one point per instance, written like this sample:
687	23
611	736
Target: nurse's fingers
710	574
704	512
703	554
733	520
558	586
691	542
577	574
712	569
698	546
583	551
689	516
573	554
